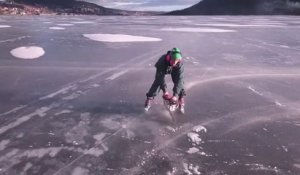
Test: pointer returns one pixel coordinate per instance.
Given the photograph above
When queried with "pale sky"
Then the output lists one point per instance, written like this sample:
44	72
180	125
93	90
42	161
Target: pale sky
146	5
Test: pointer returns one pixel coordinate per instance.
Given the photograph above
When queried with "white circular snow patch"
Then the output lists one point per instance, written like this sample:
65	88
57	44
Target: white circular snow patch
65	24
204	30
120	38
57	28
31	52
4	26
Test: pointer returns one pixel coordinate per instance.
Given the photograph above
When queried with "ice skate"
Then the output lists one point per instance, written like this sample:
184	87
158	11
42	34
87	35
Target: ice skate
181	105
171	105
148	103
181	109
166	96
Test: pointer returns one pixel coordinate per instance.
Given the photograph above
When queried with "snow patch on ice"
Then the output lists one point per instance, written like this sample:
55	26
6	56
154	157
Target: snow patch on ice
57	28
31	52
14	39
95	85
16	156
72	96
4	26
65	25
194	138
93	151
284	46
199	128
63	112
51	133
99	137
233	57
204	154
186	169
3	144
297	165
174	169
39	153
20	135
170	128
243	25
27	167
261	167
285	148
190	169
193	150
200	30
111	122
83	22
38	112
77	134
99	140
128	134
227	25
218	18
120	38
266	23
80	171
42	111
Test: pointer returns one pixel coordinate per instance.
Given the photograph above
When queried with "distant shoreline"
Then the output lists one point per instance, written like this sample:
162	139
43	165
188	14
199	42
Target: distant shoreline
82	8
78	8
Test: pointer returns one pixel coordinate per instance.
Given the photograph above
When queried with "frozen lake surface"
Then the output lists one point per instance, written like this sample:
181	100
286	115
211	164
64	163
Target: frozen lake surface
73	87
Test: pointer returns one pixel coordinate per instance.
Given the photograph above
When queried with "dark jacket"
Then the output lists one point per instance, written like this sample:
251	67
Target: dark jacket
163	67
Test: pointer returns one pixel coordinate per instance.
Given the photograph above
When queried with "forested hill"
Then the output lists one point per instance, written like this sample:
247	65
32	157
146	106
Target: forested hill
62	7
242	7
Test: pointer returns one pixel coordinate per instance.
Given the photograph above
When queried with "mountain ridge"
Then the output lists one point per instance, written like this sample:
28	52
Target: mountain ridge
36	7
242	7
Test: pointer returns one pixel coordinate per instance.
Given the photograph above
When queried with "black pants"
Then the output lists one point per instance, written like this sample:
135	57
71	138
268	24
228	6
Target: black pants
160	84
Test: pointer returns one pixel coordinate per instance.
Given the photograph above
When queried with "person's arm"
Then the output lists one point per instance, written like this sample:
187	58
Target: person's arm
160	62
178	80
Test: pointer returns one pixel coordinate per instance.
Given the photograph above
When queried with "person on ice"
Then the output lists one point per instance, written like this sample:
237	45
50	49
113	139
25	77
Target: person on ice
169	63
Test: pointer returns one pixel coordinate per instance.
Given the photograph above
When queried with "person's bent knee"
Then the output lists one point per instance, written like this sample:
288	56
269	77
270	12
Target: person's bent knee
150	95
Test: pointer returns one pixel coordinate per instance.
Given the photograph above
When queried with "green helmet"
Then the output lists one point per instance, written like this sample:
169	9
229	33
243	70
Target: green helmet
176	54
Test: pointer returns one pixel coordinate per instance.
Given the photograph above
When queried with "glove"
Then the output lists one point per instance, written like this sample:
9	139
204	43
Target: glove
173	100
166	96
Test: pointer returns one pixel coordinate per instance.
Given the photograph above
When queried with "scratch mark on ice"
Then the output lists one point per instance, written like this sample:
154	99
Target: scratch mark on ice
13	110
279	104
38	112
116	75
61	91
255	91
63	112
